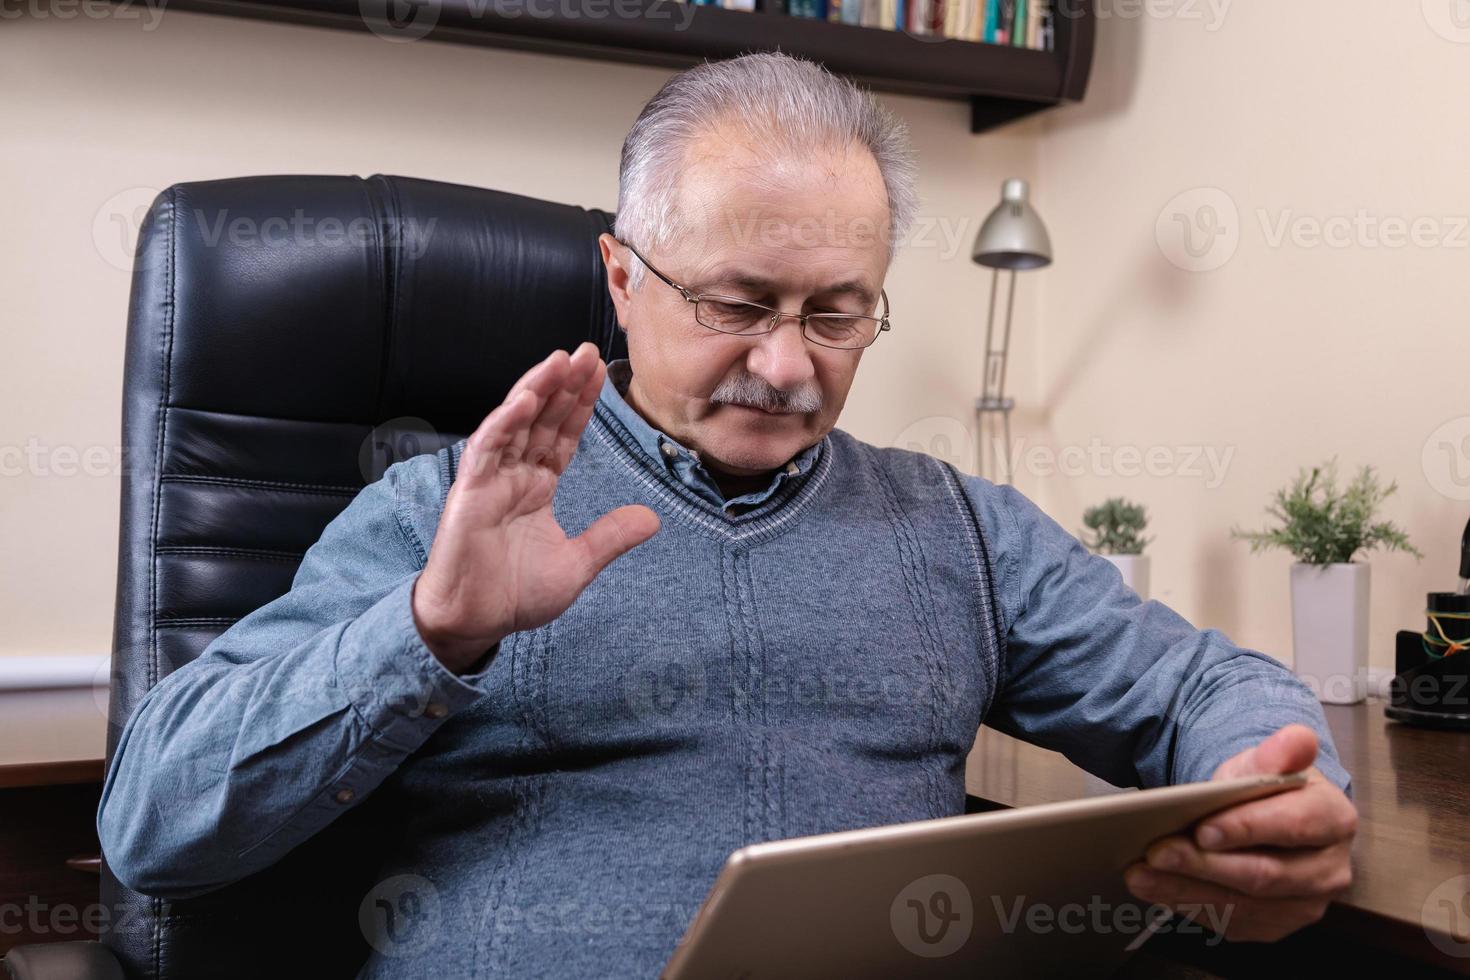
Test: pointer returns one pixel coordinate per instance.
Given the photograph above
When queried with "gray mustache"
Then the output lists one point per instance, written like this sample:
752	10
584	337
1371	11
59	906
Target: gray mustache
753	392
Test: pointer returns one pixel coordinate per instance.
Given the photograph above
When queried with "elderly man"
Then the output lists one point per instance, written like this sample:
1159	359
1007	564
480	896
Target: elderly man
655	610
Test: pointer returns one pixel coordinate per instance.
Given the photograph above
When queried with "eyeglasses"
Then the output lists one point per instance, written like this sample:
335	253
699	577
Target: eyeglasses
730	314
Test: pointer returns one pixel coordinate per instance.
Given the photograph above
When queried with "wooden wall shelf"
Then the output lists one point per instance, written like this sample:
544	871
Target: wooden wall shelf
1001	83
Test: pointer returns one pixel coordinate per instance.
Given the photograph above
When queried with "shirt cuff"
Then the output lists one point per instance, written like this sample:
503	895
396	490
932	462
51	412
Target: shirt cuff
1203	746
396	683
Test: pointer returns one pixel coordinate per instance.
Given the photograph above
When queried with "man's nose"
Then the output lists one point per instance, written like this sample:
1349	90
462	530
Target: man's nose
782	357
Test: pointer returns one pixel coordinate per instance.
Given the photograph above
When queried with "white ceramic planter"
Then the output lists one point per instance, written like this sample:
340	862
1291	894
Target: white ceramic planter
1135	571
1329	630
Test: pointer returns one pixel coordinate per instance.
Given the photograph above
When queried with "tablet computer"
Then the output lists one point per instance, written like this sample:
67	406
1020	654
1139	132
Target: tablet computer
1033	891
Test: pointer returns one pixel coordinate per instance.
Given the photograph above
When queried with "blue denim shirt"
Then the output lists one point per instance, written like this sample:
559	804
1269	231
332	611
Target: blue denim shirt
821	661
684	463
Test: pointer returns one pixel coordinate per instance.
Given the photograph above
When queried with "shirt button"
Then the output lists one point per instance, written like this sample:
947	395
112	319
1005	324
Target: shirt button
669	450
345	796
436	710
792	469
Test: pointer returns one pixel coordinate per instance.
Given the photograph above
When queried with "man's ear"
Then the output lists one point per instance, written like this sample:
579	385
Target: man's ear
619	283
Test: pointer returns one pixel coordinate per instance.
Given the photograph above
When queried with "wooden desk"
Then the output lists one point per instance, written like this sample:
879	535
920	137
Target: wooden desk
1412	790
51	749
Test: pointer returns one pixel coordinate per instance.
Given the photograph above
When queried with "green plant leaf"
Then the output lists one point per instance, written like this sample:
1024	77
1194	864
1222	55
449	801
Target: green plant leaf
1321	525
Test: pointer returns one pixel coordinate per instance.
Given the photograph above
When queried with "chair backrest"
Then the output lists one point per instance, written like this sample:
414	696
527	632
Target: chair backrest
288	338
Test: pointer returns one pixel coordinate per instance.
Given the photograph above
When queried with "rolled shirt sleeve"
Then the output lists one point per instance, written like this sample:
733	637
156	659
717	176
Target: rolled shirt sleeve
1125	688
290	717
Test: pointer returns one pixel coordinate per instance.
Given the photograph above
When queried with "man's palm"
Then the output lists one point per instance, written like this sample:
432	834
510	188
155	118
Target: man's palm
500	561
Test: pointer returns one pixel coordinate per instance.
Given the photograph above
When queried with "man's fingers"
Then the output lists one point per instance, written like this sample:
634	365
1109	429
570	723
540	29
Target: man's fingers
570	433
615	533
504	433
544	430
1240	916
1316	815
544	382
1291	748
484	449
1265	873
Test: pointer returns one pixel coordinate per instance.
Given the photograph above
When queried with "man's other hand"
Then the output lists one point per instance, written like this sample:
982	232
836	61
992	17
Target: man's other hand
1267	867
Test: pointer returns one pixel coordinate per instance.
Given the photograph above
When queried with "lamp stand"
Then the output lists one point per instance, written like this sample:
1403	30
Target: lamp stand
993	408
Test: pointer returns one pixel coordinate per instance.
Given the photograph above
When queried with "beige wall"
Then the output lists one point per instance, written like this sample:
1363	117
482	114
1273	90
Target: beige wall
1294	349
1283	354
100	114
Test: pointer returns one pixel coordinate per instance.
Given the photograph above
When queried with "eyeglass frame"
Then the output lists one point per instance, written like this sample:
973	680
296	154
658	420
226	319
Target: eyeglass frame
692	297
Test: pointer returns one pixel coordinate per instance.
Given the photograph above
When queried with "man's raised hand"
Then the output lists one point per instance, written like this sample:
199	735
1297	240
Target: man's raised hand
500	563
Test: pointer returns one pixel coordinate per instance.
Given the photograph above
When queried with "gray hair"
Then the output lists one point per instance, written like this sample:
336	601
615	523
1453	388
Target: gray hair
799	106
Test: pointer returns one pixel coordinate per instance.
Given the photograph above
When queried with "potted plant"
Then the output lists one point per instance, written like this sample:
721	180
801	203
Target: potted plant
1325	529
1116	527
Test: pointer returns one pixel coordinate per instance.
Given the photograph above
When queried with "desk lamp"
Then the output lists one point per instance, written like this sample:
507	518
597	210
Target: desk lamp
1012	239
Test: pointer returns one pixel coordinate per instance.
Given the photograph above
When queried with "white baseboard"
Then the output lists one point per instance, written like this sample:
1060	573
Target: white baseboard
28	672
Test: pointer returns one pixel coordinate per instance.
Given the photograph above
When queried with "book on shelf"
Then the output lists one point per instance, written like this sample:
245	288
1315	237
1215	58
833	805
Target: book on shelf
1027	24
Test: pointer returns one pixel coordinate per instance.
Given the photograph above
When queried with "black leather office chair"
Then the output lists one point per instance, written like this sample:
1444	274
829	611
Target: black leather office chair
288	338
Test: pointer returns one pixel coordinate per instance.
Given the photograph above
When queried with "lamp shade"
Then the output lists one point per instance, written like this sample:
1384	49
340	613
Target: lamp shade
1013	236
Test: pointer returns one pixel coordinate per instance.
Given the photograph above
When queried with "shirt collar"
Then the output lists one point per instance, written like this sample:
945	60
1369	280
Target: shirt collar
680	461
